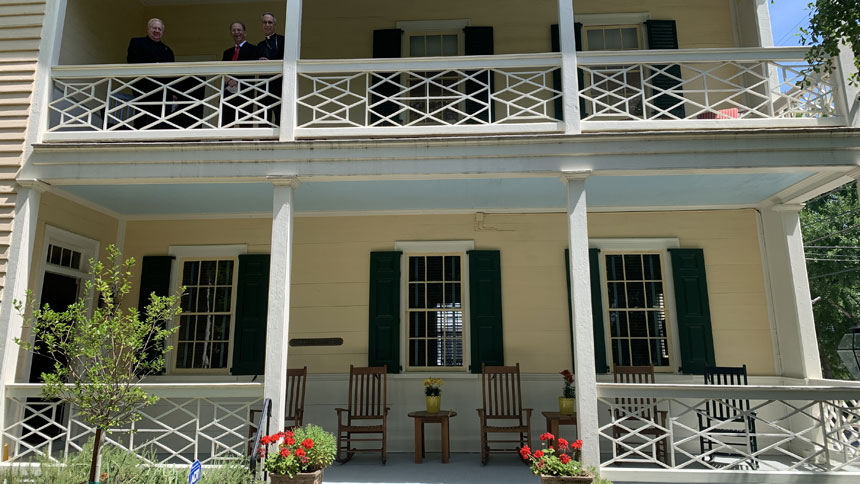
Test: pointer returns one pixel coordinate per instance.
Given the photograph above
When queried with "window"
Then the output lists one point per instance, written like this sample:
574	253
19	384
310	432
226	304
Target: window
616	88
435	310
434	94
636	301
206	322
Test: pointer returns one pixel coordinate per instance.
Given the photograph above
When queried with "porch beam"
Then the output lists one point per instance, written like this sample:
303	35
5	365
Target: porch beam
569	80
580	300
292	49
785	266
28	197
278	317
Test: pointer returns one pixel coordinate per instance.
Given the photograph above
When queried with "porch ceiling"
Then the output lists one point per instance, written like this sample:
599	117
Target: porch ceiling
528	194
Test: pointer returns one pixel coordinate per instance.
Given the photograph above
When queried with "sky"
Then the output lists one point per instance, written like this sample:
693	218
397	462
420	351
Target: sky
786	17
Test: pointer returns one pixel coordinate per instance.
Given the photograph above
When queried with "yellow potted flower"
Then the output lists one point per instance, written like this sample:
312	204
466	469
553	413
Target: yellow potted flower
433	393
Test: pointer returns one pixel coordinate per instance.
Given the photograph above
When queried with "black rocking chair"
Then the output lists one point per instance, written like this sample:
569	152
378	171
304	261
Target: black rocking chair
727	424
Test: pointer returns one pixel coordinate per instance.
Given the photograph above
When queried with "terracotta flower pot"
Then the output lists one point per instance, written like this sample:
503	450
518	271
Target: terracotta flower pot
315	477
433	403
566	405
566	479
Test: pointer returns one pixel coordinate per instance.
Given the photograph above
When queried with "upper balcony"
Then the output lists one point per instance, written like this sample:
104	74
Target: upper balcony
389	69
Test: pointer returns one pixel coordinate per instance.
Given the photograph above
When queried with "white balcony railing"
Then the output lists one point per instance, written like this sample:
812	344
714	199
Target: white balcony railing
763	429
518	93
205	422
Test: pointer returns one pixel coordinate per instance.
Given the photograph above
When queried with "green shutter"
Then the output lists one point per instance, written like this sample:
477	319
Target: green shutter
663	34
479	41
485	301
386	45
154	278
252	305
384	305
596	309
694	314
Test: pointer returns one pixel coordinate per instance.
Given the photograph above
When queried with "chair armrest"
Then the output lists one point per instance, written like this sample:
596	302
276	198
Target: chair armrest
481	415
528	412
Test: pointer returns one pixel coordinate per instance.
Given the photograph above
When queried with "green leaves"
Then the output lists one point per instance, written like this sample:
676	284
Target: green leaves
832	23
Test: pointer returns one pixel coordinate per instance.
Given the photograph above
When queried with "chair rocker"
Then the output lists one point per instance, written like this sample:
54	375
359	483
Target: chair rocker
366	413
502	401
727	424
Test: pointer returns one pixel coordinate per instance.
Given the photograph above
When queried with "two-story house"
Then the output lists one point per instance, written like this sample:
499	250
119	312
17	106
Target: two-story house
435	185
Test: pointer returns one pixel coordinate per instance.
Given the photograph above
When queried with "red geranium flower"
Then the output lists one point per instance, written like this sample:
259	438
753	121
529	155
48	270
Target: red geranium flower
308	444
300	452
291	441
538	454
547	436
577	445
568	376
564	458
525	451
562	443
285	452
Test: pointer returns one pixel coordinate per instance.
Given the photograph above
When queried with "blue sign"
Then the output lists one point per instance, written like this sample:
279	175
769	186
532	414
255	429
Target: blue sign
196	472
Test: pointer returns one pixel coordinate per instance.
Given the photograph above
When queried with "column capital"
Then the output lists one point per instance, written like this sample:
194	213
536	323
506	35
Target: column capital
284	180
33	184
575	175
788	207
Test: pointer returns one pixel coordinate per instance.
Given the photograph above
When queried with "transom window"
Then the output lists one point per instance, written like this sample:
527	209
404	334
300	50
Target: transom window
638	327
612	37
63	257
203	339
435	310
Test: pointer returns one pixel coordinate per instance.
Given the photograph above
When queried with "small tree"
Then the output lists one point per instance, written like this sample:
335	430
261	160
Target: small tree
101	349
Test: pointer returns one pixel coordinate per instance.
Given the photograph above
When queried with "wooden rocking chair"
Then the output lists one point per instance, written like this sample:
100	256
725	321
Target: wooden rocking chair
295	401
366	412
502	400
639	416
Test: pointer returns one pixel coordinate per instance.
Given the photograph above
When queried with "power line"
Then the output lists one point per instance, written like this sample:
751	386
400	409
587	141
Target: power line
832	260
835	273
830	217
853	227
831	246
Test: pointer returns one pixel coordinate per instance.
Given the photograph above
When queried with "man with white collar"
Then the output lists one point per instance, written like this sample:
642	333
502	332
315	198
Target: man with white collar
272	46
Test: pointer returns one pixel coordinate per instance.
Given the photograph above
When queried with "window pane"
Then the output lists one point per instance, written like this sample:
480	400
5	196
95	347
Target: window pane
225	273
629	38
186	327
638	327
76	260
205	299
633	267
434	353
452	268
223	297
640	353
656	324
616	295
434	45
434	268
614	268
452	295
207	272
449	45
418	349
183	355
416	268
621	352
595	39
613	39
204	328
635	295
651	263
197	358
617	324
416	296
219	355
434	295
416	324
67	258
659	352
416	46
434	323
189	299
189	273
654	294
221	330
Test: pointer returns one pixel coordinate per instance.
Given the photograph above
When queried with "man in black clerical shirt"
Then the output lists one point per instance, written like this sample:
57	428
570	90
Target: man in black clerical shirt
145	50
271	48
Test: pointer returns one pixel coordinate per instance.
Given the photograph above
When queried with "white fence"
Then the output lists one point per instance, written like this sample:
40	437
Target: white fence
731	428
206	422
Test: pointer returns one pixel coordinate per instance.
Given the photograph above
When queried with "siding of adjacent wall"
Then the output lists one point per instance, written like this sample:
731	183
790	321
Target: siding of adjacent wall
20	29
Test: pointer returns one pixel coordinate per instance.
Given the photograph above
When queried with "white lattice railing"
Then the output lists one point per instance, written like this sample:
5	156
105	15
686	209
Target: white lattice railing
206	422
434	95
777	428
740	87
146	101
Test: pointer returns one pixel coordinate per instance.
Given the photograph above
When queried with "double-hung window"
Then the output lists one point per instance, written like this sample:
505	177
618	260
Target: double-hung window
435	310
615	89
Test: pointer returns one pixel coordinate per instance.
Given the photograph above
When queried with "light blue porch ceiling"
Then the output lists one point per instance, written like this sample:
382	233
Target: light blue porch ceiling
457	194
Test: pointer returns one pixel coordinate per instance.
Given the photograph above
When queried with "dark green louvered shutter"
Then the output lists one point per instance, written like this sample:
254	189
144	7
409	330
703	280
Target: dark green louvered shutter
485	301
252	306
154	278
663	34
384	316
479	41
556	74
694	314
596	309
386	45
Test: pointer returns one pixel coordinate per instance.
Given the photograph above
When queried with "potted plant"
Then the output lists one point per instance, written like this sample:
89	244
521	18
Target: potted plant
567	400
433	394
298	457
557	466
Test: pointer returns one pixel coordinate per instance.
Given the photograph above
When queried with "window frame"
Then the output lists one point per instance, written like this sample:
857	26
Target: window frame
640	246
442	247
203	252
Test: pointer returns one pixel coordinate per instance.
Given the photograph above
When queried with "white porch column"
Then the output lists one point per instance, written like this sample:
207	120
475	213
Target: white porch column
292	48
278	317
583	336
789	287
847	96
569	80
17	276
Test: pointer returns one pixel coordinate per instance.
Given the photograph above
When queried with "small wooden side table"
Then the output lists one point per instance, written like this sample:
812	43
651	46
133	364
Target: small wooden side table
423	417
556	419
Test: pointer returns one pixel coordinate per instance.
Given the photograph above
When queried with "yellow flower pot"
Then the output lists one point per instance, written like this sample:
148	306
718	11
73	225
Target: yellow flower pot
433	403
566	405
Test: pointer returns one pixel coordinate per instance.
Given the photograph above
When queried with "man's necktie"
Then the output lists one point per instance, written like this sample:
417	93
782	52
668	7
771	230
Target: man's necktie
235	53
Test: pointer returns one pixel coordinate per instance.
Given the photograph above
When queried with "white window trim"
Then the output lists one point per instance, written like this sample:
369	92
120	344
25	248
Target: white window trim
431	27
180	252
661	245
591	19
441	246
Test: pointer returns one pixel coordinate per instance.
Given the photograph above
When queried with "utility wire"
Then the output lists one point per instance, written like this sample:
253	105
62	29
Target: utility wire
831	246
835	273
830	217
852	227
833	260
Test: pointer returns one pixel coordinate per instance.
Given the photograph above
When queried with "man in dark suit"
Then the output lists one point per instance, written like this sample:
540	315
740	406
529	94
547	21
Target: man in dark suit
271	48
145	50
242	50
